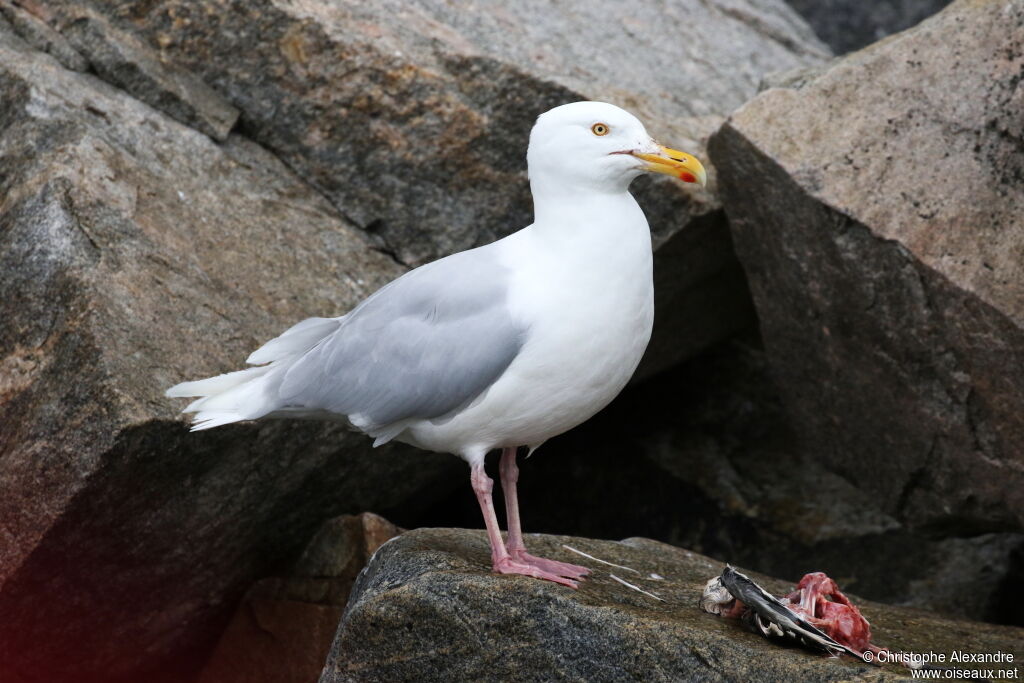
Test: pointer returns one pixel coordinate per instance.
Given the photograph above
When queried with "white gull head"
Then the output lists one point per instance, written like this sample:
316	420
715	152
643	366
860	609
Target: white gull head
588	147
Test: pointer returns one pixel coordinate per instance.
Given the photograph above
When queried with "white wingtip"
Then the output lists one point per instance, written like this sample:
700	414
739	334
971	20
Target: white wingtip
179	391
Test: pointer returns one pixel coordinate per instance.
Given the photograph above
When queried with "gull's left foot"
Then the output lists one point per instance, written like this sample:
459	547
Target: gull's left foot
572	571
509	565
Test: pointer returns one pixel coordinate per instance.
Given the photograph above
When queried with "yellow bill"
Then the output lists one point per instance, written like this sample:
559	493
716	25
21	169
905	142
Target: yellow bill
678	164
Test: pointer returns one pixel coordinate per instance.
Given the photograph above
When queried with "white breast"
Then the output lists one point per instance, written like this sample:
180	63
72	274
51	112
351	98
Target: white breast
584	290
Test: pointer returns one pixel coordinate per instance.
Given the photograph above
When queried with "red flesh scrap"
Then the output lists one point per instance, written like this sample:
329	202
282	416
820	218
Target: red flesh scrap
819	599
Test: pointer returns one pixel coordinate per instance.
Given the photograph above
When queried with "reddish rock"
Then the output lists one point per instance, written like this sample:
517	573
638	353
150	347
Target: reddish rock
283	629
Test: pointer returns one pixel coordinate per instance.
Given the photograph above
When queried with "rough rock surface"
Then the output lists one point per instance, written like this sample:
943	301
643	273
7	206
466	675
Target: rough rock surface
137	253
848	25
412	118
123	60
427	602
885	253
283	629
36	32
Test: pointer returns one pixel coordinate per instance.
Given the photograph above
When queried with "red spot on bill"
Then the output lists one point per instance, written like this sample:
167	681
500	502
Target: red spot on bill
687	177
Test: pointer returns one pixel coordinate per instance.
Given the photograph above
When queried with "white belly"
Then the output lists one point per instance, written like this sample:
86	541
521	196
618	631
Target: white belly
589	312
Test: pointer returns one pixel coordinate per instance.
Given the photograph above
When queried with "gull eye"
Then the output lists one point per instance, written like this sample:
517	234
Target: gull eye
599	129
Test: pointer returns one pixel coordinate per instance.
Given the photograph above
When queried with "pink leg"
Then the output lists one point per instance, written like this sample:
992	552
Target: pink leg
501	561
516	546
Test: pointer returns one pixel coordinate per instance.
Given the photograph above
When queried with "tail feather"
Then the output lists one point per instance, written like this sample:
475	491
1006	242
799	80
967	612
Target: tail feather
209	420
252	399
252	393
213	385
232	397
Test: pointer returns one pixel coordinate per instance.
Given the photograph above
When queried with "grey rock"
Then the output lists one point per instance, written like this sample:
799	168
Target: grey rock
965	570
34	30
123	60
884	253
412	117
793	78
137	253
427	606
847	25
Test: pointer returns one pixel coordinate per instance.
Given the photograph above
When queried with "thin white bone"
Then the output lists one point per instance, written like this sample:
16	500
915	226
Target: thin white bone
636	588
598	559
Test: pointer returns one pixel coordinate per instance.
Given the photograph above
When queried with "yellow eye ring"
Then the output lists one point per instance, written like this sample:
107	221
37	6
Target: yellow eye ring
600	129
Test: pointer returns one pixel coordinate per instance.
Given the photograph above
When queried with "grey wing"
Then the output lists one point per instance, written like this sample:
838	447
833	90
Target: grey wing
422	346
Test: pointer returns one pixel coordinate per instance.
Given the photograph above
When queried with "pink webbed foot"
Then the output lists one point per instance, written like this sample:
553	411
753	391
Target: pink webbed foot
508	565
572	571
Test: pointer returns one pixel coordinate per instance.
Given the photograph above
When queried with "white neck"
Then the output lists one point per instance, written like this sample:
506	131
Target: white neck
569	206
595	230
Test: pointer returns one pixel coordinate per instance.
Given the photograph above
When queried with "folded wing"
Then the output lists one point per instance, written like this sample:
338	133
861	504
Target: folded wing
421	347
